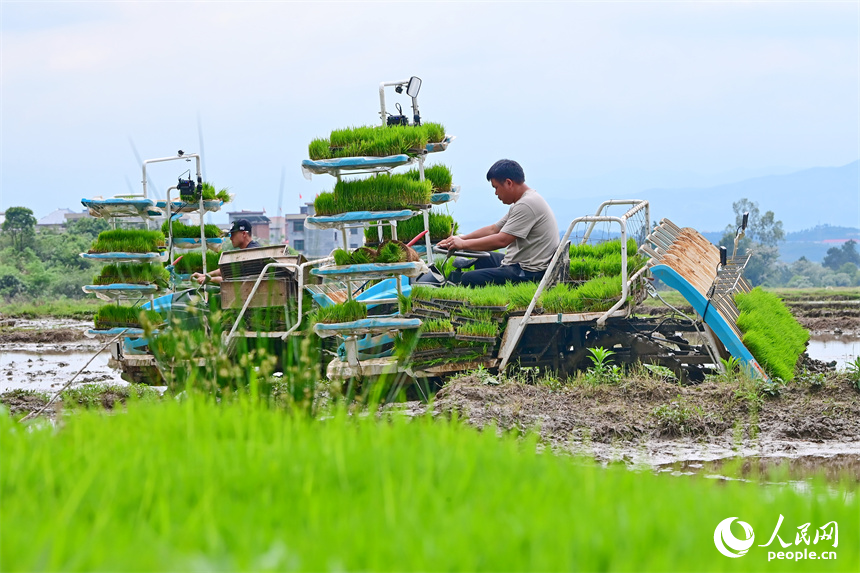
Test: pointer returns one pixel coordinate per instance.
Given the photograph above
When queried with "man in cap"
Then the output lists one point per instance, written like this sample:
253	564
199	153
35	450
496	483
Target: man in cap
240	236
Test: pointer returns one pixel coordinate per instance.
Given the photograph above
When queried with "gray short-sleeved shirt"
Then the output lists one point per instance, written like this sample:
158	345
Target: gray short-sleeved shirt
533	224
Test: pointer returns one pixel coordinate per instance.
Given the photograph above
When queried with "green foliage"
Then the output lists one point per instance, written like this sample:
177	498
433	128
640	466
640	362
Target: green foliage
209	193
678	418
192	262
771	333
381	192
82	309
436	325
838	256
19	224
763	234
100	396
183	231
442	226
113	315
603	259
128	241
152	273
209	489
853	369
376	141
602	371
485	329
439	176
347	311
388	252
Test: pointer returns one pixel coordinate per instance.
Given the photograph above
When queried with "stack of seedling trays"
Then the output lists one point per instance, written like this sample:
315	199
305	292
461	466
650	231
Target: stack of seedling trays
133	274
374	197
188	251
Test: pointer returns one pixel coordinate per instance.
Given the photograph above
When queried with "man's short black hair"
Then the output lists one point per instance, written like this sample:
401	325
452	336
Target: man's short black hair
506	169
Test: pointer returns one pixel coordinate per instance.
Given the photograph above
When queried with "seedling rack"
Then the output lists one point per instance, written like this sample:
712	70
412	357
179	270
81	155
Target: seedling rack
353	275
133	346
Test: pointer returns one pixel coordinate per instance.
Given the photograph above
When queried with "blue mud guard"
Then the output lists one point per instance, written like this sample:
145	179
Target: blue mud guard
713	319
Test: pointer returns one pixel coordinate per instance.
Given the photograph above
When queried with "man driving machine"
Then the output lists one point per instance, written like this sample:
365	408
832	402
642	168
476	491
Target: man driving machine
240	236
528	232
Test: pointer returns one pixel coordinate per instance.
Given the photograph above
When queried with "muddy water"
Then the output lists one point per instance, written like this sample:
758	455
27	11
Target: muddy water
834	347
44	368
47	353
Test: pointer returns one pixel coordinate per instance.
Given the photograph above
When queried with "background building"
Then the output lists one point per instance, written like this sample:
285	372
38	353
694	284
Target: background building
315	243
259	223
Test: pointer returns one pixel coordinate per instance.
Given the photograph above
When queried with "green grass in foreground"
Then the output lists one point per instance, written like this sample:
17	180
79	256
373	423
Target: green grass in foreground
191	485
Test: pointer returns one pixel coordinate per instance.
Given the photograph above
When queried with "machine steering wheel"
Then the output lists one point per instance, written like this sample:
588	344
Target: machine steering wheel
461	253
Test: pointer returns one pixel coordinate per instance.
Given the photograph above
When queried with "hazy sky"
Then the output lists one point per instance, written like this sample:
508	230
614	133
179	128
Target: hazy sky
574	91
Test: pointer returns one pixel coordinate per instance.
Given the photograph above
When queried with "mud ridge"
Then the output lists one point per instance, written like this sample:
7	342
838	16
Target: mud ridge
639	410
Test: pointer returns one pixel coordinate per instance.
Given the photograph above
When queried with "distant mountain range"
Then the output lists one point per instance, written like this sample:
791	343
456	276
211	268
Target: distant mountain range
819	207
801	200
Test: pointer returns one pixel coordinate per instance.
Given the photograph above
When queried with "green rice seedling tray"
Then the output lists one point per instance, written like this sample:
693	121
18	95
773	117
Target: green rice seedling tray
341	165
370	271
429	313
210	206
437	334
372	325
121	207
358	217
446	196
441	145
214	245
119	290
130	332
480	339
125	257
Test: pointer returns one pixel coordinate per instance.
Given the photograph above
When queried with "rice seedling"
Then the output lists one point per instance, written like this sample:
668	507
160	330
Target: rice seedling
591	260
363	256
479	329
345	312
183	231
128	241
209	193
520	295
342	257
376	141
442	226
324	204
193	262
437	325
599	294
560	299
391	252
771	333
382	192
209	491
319	149
439	176
116	316
152	273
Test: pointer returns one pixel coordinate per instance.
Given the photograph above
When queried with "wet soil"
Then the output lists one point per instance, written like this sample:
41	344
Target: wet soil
653	422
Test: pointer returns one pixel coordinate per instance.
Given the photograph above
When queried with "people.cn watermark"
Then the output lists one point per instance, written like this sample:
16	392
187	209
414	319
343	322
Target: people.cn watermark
731	546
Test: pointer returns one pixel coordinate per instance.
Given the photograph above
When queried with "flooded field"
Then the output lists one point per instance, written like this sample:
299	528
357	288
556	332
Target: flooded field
43	355
839	348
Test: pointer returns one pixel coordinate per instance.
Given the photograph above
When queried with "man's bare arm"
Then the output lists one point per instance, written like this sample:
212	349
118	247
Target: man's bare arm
482	232
489	243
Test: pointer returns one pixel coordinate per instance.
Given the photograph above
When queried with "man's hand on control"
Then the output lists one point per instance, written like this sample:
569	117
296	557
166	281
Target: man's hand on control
453	243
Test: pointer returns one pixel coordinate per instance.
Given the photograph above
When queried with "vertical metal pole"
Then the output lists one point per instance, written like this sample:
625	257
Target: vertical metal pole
202	234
